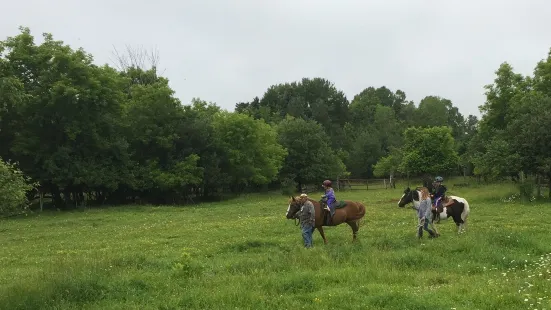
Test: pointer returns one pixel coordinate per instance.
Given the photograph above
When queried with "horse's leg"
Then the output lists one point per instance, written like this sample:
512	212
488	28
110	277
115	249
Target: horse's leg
355	227
463	226
464	218
320	229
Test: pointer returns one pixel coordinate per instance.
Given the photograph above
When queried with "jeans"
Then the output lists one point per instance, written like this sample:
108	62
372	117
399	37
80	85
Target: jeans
307	231
424	225
332	208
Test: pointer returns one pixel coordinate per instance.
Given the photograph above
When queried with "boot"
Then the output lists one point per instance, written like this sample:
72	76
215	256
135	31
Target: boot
432	234
420	232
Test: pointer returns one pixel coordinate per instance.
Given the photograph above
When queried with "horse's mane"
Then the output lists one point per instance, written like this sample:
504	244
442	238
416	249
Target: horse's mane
297	198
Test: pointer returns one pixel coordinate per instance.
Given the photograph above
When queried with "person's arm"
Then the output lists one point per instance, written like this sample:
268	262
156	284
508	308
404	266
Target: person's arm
312	213
425	205
420	210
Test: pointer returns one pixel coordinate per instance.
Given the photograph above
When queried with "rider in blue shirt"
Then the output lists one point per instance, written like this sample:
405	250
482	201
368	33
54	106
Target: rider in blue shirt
438	192
329	197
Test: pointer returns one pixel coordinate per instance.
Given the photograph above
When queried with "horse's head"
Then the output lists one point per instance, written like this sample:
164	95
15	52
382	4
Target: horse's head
294	207
408	197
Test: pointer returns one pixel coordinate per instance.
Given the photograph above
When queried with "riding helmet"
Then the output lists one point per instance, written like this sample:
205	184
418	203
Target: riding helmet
439	179
327	183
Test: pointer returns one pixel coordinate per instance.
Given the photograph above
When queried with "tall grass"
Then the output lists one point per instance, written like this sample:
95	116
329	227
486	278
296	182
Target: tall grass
244	254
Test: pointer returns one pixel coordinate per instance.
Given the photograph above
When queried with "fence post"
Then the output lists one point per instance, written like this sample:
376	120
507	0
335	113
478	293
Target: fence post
367	184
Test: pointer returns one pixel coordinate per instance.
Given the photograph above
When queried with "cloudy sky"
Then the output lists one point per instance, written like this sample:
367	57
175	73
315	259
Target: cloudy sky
231	51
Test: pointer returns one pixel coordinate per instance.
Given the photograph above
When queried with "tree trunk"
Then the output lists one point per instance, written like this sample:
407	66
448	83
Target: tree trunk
41	195
538	186
56	197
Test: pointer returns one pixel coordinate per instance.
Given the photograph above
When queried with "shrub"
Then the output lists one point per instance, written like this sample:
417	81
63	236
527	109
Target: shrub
14	186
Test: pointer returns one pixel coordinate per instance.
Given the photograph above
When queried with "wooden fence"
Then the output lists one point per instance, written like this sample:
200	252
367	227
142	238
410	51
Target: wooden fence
365	184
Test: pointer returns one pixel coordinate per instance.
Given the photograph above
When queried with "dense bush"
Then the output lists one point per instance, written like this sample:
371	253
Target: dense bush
14	186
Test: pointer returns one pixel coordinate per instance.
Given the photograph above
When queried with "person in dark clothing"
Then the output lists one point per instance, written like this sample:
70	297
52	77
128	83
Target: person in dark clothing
307	220
329	197
438	193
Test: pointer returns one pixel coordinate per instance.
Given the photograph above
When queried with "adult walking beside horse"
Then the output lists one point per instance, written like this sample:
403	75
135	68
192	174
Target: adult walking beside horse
349	212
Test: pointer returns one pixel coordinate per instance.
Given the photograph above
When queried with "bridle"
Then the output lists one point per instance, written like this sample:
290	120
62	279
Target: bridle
296	218
411	205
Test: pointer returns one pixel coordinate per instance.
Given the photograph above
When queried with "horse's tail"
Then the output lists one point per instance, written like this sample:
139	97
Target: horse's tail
361	214
466	210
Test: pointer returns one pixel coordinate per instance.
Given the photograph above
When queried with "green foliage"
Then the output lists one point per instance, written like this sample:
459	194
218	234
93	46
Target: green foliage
428	150
311	99
310	157
107	135
14	186
499	159
389	164
373	142
499	96
252	154
513	135
180	175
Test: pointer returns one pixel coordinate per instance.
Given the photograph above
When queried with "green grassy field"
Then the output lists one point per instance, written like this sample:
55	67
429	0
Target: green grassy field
244	254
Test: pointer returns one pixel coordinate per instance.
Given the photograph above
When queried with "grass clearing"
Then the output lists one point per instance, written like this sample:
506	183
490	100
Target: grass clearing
244	254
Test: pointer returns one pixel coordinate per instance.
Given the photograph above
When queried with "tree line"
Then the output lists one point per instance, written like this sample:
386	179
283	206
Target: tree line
117	134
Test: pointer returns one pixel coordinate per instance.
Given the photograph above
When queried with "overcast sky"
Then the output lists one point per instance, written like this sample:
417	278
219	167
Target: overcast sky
231	51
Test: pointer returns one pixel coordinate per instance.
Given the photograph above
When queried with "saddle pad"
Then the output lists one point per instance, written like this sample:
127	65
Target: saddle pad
341	204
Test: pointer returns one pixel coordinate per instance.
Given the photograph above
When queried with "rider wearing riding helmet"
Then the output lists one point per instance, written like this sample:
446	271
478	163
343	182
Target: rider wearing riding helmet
439	191
329	197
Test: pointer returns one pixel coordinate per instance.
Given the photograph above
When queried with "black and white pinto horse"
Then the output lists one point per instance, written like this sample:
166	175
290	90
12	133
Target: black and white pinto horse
459	209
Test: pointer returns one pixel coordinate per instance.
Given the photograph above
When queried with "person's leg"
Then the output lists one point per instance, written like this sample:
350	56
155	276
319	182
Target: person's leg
426	227
307	236
310	237
438	206
420	228
333	208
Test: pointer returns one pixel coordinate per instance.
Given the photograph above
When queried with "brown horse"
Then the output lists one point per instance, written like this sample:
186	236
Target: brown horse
350	214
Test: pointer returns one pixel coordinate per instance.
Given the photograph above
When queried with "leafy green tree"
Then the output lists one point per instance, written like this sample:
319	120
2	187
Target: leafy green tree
197	136
388	165
311	99
364	105
529	134
12	100
310	157
428	150
14	186
491	138
70	136
499	96
251	153
498	160
374	142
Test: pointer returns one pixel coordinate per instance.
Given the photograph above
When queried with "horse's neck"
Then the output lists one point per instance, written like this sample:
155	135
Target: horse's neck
313	201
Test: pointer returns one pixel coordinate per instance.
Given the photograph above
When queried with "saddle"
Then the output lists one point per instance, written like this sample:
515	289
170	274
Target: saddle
326	215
